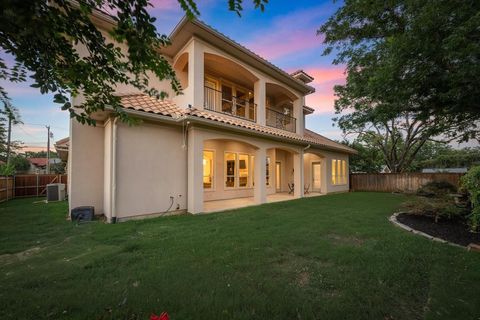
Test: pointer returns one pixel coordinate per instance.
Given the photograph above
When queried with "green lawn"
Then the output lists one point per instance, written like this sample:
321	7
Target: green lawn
331	257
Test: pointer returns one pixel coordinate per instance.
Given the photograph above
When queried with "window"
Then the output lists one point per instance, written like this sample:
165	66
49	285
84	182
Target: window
267	171
208	159
339	172
230	170
243	170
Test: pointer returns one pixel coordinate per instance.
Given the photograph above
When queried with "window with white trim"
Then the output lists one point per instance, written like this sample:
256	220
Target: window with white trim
208	160
339	172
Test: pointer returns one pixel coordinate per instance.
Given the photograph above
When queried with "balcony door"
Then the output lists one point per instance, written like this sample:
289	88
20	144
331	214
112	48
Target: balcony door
316	176
227	99
212	100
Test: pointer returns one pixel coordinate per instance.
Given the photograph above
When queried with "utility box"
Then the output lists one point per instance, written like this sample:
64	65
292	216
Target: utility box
81	214
55	192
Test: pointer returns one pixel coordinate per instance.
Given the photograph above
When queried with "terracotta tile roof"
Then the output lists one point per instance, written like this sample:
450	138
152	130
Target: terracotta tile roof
38	162
142	102
149	104
321	140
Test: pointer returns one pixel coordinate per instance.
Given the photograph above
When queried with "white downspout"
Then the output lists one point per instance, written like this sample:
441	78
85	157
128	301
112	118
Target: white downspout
114	172
306	148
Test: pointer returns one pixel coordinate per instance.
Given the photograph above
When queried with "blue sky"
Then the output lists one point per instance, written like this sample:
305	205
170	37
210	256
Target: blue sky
285	34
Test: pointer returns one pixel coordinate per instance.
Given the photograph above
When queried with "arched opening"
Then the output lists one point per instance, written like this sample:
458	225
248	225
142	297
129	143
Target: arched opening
280	164
181	69
314	166
279	107
229	87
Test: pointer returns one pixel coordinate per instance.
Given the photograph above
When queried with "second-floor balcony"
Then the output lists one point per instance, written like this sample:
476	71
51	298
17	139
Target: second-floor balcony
277	119
226	102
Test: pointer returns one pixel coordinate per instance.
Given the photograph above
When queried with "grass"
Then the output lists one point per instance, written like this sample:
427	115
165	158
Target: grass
331	257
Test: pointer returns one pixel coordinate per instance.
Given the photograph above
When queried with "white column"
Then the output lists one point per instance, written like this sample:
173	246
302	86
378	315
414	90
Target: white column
298	174
195	171
259	98
260	189
298	114
196	73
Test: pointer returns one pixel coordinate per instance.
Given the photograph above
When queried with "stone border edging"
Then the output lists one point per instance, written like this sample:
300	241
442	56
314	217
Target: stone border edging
393	219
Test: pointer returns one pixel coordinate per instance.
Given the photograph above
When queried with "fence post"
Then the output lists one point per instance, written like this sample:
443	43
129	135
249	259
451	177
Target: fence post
37	185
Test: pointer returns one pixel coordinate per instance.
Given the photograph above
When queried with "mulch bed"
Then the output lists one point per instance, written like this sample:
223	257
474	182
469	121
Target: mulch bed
455	231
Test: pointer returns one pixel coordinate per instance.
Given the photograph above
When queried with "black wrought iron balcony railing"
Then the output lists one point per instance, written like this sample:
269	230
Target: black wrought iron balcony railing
280	120
218	101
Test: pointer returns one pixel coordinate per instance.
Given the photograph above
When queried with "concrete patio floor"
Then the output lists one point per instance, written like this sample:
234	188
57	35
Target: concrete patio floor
221	205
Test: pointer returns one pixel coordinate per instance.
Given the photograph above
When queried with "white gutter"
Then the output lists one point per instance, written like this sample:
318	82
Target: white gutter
113	160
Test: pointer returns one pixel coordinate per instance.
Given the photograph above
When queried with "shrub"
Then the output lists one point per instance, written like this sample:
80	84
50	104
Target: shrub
436	189
438	208
7	170
471	182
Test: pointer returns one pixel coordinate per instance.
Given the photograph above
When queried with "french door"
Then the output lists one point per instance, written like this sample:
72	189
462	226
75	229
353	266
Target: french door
316	176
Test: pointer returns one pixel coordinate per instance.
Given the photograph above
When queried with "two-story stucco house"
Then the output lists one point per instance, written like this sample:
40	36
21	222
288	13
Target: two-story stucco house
235	137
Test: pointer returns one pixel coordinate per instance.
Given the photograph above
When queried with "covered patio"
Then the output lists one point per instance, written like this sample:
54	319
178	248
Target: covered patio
228	204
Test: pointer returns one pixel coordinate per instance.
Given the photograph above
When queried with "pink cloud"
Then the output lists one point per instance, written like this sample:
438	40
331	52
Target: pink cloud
327	74
289	34
323	99
284	43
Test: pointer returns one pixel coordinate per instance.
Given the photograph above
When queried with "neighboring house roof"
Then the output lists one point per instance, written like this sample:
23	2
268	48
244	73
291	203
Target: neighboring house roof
62	146
38	162
63	143
147	104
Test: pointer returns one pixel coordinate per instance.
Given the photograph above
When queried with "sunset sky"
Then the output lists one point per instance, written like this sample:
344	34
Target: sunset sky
285	34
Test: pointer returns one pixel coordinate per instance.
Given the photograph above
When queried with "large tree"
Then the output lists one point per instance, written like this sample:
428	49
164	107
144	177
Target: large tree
43	35
415	57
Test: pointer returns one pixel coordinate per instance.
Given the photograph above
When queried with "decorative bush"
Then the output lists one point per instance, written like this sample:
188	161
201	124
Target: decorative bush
436	189
471	182
438	208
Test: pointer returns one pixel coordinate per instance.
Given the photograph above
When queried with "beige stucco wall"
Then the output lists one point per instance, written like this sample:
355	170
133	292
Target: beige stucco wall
151	168
86	166
121	88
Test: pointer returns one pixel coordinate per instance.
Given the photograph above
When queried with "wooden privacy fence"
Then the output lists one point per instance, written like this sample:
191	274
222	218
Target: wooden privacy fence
28	185
398	182
6	188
